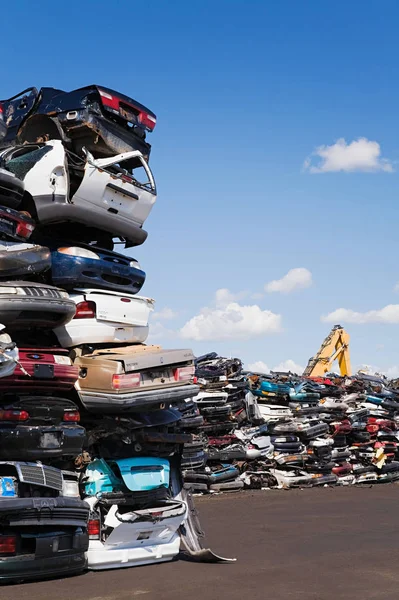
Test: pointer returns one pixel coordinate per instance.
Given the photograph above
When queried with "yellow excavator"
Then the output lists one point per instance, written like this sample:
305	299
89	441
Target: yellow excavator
334	347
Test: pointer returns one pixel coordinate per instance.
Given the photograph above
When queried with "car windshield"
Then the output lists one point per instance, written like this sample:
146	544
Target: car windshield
22	161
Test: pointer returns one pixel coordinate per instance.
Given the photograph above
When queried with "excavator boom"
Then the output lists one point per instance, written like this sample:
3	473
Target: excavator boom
334	347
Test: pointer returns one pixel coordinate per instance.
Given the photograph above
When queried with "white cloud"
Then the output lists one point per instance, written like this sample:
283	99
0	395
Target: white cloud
396	288
165	314
388	314
229	320
223	297
295	279
286	365
158	332
259	367
257	296
391	372
360	155
289	365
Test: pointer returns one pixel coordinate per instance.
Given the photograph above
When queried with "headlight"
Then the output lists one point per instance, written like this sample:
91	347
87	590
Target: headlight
8	290
135	264
76	251
70	489
63	294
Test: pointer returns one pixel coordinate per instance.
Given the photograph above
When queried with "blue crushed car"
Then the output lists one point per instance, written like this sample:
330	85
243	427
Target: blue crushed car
89	266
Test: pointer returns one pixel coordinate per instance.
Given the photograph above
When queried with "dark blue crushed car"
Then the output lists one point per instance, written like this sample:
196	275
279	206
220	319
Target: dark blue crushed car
89	266
102	120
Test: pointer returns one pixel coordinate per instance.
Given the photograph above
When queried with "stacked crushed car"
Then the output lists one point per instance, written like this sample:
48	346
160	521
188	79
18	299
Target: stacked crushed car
90	444
292	431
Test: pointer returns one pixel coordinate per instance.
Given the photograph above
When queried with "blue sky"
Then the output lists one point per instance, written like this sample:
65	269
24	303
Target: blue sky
245	92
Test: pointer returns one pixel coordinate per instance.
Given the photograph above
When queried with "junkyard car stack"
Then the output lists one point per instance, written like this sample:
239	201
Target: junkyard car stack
222	403
296	431
89	444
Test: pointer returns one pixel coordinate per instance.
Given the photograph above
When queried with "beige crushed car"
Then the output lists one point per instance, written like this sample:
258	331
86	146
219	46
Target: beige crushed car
134	377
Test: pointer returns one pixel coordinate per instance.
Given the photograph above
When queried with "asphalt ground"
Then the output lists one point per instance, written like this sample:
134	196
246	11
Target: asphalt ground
315	544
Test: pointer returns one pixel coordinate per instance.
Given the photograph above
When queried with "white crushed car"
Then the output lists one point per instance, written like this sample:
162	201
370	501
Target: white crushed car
114	194
105	317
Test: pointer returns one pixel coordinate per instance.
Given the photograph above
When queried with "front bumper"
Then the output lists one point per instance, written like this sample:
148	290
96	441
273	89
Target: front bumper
24	262
27	311
111	402
33	512
70	272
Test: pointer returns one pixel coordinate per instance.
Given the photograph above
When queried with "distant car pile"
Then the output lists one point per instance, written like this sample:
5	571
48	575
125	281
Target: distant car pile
281	430
90	443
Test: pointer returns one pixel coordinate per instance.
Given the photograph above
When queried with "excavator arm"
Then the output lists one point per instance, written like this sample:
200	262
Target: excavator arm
334	347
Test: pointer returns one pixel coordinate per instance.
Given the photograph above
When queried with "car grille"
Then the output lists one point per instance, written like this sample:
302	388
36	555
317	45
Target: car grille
212	400
41	475
115	260
42	292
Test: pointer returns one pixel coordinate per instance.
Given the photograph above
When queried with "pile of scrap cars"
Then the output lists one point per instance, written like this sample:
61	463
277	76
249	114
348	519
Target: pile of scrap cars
90	432
103	438
282	430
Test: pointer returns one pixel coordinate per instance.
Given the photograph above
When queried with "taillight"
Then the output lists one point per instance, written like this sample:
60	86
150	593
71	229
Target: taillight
85	310
113	103
8	544
148	121
14	415
94	529
72	416
25	229
372	428
109	100
121	382
184	373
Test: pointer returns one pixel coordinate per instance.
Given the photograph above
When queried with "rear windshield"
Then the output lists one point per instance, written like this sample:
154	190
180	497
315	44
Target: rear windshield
134	169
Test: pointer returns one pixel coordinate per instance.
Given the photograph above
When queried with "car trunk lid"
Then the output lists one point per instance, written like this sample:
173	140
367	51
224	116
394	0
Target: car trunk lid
120	308
41	410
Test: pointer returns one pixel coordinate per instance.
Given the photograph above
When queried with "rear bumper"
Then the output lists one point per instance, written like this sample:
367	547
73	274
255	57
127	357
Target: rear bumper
26	443
60	378
54	210
93	331
111	402
29	567
103	557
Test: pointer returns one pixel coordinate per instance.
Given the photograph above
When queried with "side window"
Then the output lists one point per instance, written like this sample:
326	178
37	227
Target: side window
23	163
